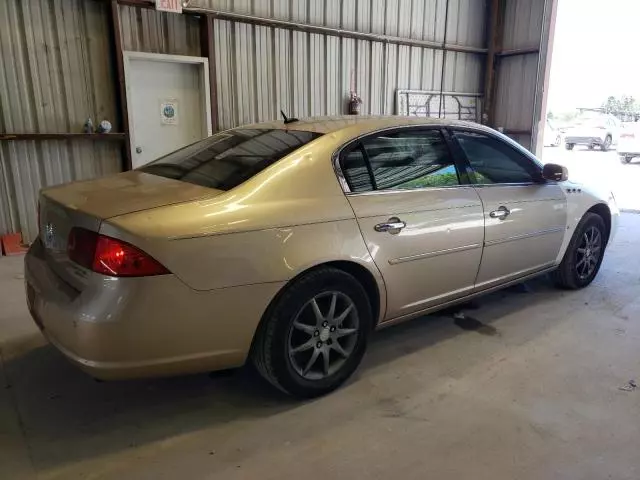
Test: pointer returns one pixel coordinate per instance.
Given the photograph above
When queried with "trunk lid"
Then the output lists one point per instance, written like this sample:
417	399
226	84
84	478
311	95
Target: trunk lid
125	193
87	204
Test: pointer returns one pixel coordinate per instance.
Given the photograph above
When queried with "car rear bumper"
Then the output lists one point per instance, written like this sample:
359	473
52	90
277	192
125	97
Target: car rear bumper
116	328
584	140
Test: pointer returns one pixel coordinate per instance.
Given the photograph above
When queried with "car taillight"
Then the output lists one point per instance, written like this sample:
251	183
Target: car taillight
110	256
81	246
627	135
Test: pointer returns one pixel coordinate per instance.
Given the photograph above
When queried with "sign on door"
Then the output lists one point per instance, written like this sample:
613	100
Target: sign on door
169	112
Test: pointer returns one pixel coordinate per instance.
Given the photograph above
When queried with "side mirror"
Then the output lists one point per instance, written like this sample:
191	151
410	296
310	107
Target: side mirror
555	172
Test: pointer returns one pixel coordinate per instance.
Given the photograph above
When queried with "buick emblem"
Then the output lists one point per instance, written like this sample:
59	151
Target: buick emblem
49	235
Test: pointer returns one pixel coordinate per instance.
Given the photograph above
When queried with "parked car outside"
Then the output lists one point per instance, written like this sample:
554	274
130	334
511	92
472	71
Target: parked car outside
593	131
285	245
552	136
629	144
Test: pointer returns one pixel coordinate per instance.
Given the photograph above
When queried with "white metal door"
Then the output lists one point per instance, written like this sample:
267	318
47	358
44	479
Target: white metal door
168	99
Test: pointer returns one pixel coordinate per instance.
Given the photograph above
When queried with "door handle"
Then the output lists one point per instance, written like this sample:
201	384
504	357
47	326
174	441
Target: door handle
501	213
393	226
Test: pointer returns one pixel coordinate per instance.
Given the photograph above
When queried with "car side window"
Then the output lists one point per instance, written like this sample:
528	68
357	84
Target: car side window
494	161
355	170
406	160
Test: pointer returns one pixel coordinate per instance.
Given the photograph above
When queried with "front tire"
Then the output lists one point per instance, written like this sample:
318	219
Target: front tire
626	158
315	334
582	260
569	146
607	143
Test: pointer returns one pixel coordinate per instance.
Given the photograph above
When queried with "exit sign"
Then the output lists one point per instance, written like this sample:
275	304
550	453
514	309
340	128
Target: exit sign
174	6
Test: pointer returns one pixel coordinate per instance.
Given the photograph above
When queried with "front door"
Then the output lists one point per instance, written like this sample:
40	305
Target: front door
525	216
422	225
167	102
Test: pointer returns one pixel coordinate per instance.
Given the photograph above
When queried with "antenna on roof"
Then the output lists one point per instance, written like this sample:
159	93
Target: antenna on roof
286	119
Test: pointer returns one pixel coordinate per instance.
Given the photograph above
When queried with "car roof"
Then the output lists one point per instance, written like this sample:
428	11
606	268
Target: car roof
324	125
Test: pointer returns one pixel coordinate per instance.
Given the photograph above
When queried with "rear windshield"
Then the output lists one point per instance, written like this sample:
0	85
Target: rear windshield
230	158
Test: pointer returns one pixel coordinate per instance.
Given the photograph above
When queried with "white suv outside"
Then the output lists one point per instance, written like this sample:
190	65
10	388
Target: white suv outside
629	145
601	130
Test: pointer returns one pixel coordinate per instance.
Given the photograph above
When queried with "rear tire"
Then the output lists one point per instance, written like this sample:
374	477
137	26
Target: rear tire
296	337
569	146
626	158
582	260
558	141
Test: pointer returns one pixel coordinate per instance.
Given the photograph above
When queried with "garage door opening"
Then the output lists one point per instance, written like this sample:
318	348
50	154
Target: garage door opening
594	97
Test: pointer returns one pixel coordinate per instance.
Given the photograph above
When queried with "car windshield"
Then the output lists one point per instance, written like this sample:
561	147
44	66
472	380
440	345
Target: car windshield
227	159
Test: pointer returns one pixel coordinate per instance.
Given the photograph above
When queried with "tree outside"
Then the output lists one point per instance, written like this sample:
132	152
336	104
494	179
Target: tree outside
625	107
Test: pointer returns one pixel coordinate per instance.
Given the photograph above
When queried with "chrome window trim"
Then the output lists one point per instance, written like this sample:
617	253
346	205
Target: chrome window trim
341	178
335	158
411	190
547	183
489	185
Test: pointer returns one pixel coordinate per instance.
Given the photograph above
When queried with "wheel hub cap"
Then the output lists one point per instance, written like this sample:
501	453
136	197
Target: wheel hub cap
589	252
324	334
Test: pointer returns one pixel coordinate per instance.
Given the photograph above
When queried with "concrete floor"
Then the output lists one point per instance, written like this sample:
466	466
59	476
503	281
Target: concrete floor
531	394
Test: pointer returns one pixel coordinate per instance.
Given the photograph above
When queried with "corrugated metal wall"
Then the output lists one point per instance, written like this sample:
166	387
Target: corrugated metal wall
55	72
261	70
519	76
145	30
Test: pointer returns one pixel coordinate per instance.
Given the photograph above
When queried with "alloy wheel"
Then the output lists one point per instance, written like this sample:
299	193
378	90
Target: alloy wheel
588	252
323	335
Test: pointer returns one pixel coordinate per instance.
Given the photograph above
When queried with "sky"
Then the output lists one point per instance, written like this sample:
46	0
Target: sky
595	53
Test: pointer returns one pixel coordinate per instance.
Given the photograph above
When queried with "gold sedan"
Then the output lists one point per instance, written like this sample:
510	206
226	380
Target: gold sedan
287	244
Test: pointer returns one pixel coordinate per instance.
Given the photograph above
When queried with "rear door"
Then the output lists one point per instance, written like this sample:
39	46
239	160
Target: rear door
422	224
524	215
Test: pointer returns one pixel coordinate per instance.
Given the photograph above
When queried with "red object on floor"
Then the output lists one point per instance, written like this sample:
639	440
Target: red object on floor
12	244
